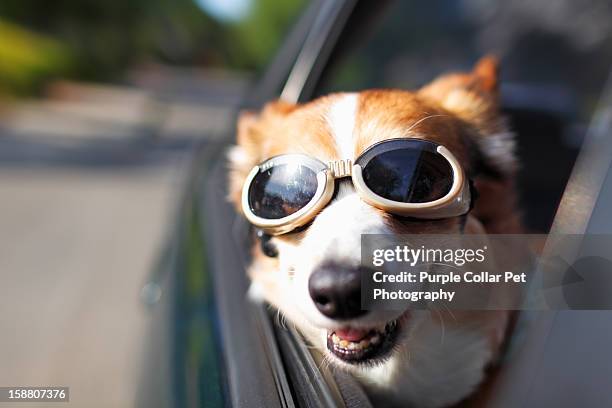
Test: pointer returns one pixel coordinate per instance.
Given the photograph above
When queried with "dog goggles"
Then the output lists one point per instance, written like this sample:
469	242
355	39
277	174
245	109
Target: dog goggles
407	177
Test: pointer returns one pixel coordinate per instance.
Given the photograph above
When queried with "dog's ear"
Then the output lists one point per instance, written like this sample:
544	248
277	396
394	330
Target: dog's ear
473	96
252	144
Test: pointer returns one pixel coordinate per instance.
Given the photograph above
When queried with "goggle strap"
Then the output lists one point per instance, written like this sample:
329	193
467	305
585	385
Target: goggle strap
473	194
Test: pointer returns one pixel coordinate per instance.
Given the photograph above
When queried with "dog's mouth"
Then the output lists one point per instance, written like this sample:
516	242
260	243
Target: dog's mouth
354	345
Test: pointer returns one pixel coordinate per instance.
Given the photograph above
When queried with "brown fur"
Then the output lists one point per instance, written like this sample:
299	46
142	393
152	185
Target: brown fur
455	110
450	111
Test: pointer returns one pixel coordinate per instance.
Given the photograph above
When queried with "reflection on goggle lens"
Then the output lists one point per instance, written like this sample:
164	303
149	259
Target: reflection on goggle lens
408	175
282	190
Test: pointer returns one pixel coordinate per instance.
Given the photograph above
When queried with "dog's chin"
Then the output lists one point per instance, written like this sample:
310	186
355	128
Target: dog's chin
365	346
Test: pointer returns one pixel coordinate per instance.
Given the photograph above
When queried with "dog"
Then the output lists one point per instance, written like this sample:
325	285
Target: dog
437	358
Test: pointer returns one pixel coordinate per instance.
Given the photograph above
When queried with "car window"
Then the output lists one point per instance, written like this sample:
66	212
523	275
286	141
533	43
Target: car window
555	59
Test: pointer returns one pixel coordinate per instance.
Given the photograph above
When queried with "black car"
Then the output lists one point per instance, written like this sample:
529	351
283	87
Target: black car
211	346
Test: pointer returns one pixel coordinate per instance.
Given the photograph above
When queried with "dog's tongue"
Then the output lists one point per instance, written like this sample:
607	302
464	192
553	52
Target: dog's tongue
352	334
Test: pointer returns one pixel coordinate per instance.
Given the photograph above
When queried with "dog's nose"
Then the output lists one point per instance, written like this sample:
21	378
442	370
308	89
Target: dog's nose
336	291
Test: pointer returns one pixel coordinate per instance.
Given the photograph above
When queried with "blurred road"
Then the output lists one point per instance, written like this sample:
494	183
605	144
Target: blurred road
88	190
75	248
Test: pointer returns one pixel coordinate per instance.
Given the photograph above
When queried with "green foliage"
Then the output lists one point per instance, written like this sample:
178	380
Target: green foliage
27	59
264	27
99	39
103	36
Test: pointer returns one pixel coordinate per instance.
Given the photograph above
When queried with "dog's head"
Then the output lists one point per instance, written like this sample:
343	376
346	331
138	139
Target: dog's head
319	264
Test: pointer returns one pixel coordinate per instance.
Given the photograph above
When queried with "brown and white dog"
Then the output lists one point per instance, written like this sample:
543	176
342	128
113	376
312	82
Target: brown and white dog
438	358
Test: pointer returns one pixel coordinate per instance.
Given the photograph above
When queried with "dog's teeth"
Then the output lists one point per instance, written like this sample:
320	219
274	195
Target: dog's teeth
372	342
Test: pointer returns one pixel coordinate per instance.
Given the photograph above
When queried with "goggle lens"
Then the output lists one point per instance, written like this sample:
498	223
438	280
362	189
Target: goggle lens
282	190
408	175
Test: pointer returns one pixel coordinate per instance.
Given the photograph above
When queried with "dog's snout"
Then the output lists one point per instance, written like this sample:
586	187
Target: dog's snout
336	291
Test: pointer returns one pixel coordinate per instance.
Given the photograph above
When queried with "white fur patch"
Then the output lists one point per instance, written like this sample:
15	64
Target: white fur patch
499	149
341	121
237	157
434	367
255	292
335	235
